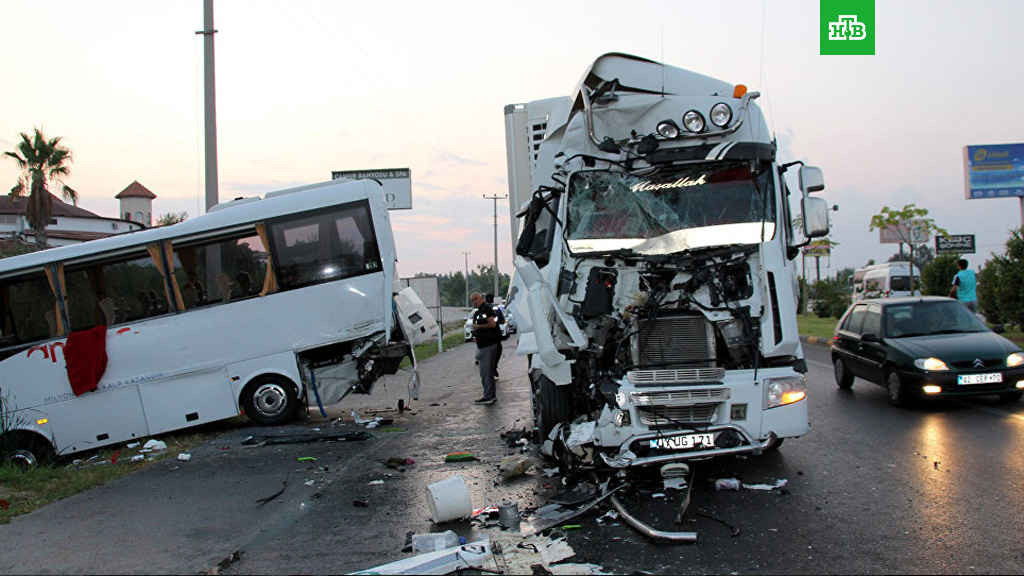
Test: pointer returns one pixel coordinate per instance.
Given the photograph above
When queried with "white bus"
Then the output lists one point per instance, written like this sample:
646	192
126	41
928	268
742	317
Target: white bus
240	309
886	280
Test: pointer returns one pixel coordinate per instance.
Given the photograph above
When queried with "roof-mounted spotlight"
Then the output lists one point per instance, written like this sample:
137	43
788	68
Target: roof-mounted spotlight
647	145
721	114
668	129
608	145
693	121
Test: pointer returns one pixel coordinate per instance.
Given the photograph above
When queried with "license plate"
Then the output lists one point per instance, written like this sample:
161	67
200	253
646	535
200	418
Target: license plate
684	442
979	378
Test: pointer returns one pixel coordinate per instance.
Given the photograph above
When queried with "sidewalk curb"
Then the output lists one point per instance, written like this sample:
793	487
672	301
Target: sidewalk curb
816	340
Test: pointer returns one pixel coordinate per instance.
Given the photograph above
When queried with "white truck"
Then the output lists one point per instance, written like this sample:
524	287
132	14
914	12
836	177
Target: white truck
655	285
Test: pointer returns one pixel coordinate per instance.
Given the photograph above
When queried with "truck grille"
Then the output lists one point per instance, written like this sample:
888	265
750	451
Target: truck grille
664	341
677	415
644	378
668	406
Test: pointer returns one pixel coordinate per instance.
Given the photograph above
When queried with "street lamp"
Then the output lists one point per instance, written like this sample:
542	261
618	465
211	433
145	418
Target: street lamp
495	198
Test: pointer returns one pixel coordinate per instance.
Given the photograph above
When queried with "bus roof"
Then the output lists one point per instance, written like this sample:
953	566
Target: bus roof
223	216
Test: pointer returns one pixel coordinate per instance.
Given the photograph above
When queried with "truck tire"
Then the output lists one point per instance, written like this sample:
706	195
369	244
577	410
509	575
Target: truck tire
270	400
552	404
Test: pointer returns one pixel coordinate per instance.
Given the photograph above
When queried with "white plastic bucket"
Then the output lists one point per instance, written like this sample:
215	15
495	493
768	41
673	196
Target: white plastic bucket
449	500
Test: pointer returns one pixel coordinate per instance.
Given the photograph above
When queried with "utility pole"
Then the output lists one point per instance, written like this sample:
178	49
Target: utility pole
495	198
466	256
208	31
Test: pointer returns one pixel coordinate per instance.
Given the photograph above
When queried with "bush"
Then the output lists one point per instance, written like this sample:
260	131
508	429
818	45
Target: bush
830	297
937	275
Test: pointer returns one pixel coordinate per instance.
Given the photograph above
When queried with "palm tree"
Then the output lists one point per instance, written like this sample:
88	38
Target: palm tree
41	161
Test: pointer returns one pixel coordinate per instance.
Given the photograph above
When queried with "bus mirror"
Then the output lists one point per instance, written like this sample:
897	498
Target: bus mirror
815	217
811	179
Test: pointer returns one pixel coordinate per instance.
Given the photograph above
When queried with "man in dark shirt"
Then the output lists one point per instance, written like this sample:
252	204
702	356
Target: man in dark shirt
487	336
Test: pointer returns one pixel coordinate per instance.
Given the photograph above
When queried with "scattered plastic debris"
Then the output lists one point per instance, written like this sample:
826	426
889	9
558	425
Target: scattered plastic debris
154	446
184	456
727	484
376	482
778	484
513	466
459	457
306	459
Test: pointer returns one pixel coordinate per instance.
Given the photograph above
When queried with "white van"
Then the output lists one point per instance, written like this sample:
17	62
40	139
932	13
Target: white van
888	280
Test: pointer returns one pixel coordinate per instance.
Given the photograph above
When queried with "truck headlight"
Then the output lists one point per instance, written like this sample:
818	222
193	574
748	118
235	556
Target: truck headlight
782	391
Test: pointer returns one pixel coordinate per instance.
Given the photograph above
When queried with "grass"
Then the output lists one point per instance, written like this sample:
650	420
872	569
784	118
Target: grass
811	325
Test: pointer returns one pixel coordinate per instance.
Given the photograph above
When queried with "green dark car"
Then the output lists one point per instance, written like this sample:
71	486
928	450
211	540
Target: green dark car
924	347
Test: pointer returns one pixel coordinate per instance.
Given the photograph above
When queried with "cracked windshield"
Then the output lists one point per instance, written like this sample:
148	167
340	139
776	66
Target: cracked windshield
669	210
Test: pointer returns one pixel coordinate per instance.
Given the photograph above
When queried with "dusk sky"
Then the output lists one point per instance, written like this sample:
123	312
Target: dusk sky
305	87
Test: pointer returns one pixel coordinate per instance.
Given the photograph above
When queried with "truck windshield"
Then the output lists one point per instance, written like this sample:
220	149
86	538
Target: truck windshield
671	210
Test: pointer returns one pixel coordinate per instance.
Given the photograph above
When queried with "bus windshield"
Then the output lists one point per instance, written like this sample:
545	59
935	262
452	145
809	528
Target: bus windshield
670	210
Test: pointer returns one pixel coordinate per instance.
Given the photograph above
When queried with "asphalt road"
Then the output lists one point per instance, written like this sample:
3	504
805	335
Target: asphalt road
871	489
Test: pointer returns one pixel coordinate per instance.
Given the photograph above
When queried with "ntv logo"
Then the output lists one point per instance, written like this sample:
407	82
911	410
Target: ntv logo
847	28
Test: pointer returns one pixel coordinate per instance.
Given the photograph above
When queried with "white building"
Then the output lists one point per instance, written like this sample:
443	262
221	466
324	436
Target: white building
72	225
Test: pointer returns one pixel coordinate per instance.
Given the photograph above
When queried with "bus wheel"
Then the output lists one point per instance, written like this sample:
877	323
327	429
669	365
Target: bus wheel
26	450
270	400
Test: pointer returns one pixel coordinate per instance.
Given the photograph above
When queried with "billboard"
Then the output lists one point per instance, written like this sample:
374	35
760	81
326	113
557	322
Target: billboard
818	248
994	171
396	183
906	233
955	244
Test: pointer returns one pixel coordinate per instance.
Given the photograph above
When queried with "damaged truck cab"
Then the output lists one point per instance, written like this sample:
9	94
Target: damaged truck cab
655	285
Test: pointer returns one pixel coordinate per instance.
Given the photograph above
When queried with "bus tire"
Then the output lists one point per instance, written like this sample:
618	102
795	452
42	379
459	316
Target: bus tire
270	400
26	449
552	404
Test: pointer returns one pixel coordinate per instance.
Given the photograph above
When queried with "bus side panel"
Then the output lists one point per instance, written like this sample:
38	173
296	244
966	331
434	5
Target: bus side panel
284	364
97	419
187	400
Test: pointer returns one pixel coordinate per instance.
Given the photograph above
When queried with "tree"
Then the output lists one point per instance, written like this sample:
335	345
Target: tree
171	218
41	162
909	225
1009	278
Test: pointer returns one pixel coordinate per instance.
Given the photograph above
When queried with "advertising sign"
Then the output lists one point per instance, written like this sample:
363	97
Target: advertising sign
818	248
907	233
396	183
955	244
994	171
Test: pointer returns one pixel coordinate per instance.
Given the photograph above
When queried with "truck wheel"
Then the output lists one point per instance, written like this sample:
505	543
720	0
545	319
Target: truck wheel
843	377
898	394
270	400
552	404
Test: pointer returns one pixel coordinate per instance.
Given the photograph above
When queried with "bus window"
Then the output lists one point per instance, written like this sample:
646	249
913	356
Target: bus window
26	309
326	246
228	267
120	289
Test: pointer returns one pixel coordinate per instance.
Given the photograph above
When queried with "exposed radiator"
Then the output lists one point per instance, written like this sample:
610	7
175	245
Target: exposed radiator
675	341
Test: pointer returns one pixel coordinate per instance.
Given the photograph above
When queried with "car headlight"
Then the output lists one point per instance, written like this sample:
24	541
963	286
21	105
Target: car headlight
931	364
1015	359
782	391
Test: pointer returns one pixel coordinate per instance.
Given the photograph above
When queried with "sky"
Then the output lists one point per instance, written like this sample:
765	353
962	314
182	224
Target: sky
307	87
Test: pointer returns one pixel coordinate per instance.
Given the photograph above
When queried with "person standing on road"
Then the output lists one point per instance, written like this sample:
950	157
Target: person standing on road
500	317
487	336
965	285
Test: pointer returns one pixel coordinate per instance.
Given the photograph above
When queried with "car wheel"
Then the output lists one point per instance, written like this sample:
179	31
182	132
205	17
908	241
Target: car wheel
897	390
1011	396
843	377
270	400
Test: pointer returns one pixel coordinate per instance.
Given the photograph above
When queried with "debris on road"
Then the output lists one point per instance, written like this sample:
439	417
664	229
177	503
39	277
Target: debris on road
257	441
459	457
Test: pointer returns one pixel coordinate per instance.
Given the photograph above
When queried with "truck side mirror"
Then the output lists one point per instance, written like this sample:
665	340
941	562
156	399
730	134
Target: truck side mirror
811	179
815	217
